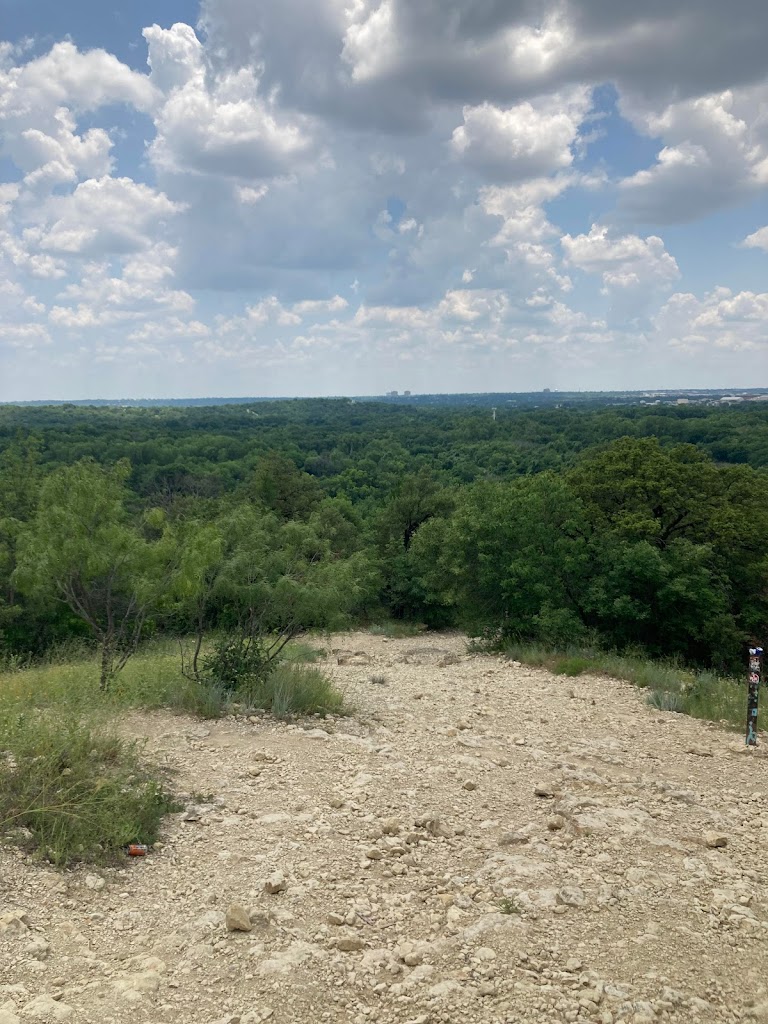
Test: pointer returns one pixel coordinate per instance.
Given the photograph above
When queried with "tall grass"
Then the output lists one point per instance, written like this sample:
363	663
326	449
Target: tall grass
292	690
673	687
71	788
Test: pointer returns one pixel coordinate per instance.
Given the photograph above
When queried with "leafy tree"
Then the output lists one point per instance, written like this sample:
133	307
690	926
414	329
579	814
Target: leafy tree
262	582
80	549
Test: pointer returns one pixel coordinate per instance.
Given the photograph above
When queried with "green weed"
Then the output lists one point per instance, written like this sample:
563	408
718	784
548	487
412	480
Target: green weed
291	691
666	700
71	790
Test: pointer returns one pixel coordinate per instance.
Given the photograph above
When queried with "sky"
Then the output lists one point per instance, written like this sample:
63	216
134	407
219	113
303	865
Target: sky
347	197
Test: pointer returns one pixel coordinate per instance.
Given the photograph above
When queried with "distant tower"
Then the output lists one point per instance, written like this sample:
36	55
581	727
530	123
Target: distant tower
494	413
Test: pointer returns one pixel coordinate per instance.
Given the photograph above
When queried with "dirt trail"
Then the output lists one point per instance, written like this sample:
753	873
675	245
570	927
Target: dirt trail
419	876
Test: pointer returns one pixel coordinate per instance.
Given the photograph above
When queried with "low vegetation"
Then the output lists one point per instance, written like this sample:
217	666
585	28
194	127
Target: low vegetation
672	686
71	788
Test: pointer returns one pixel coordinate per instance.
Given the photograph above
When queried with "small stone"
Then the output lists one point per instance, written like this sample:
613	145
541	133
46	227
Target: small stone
573	965
556	822
15	922
374	854
46	1008
469	785
715	840
545	791
94	882
275	883
349	943
238	919
335	919
418	696
571	896
512	839
390	827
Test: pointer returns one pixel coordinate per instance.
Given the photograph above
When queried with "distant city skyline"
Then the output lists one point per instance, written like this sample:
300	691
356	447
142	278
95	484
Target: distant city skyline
311	198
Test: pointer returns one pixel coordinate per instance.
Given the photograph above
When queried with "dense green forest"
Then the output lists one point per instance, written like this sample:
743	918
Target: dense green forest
634	527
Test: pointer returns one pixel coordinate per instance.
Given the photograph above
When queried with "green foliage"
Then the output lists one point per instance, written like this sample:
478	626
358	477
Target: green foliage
72	792
672	687
300	652
508	905
395	628
237	662
291	691
80	549
666	700
571	665
633	527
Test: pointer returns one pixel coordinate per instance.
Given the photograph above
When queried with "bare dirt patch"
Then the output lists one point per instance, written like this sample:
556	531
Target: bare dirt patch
479	843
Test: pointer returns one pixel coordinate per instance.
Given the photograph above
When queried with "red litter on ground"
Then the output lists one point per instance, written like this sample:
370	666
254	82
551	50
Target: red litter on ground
137	850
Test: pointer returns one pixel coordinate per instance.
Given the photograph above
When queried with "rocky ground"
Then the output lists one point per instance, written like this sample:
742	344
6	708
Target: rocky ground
480	842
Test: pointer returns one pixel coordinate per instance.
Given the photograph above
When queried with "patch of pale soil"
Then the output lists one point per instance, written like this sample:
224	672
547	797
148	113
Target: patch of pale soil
374	859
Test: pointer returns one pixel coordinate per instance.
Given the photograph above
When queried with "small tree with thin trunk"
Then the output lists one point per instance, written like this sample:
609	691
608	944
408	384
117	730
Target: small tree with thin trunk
81	549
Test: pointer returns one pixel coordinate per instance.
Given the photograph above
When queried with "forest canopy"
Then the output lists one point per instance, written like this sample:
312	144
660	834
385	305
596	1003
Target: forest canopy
632	527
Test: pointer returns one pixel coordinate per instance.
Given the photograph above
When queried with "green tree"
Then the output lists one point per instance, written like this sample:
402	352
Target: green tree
81	549
263	581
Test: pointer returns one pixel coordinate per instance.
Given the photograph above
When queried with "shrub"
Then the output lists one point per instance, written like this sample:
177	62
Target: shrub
71	791
291	690
666	700
572	665
236	662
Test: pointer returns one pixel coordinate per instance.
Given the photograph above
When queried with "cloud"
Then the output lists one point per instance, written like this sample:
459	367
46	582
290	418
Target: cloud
635	272
389	62
625	262
216	123
524	141
106	216
726	320
136	292
715	154
757	240
39	104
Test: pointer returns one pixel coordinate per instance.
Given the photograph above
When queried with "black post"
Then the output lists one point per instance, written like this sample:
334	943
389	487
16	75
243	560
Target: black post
753	692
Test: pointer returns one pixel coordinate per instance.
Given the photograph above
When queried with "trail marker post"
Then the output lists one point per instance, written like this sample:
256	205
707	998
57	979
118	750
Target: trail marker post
753	692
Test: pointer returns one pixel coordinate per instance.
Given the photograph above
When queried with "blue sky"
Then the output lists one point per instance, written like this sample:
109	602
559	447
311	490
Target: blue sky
317	197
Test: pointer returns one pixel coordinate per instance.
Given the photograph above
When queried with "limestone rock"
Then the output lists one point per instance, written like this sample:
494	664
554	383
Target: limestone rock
715	840
45	1008
545	791
571	896
275	883
238	919
14	923
349	943
94	882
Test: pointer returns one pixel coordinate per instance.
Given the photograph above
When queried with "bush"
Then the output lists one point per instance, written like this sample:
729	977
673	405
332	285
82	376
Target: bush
237	662
572	665
70	791
666	700
289	691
